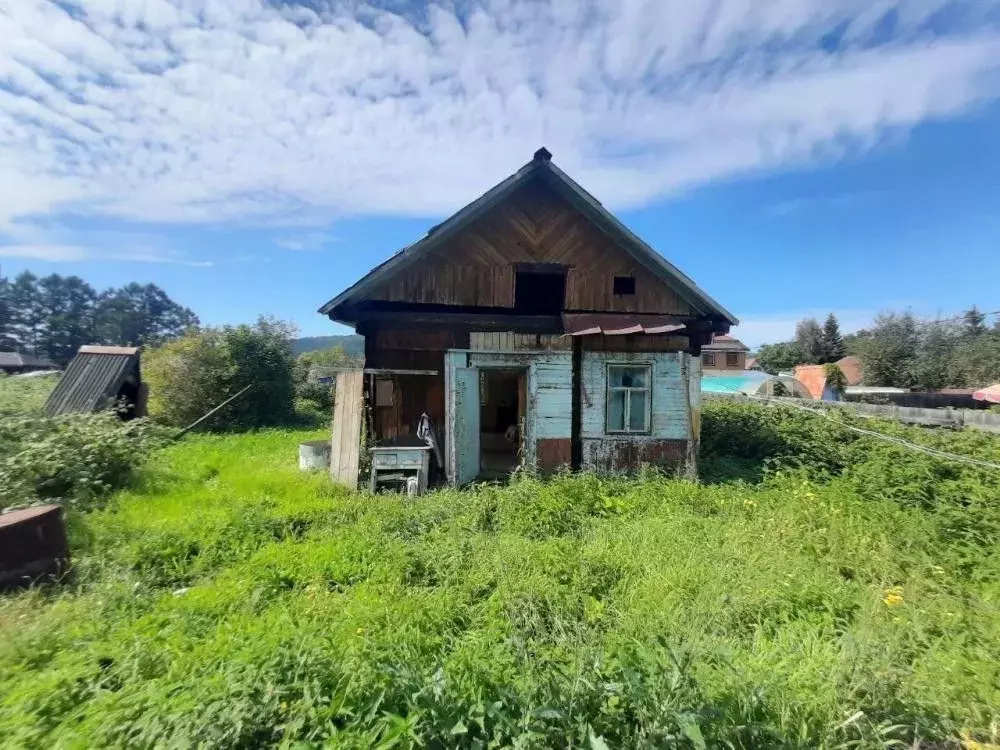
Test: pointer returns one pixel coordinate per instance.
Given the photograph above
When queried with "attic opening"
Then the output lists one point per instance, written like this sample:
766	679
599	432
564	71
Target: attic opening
539	292
624	286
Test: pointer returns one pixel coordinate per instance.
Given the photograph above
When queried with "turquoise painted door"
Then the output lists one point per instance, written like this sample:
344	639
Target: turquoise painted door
465	424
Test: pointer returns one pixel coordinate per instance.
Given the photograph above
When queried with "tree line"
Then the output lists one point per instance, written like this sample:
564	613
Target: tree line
899	350
53	316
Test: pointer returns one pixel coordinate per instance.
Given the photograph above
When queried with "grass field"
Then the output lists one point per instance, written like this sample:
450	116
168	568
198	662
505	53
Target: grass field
25	395
230	601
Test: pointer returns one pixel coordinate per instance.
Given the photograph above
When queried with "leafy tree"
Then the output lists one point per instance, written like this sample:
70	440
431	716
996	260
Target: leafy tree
775	358
809	337
889	354
934	366
67	304
191	375
833	342
973	323
836	380
976	361
139	314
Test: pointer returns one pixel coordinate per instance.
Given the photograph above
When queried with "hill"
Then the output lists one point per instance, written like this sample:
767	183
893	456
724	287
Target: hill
352	344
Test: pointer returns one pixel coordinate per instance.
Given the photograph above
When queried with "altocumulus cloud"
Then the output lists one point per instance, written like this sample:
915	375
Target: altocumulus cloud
242	111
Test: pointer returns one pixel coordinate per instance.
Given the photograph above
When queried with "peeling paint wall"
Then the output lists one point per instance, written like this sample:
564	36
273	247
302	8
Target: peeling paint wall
675	407
550	390
674	412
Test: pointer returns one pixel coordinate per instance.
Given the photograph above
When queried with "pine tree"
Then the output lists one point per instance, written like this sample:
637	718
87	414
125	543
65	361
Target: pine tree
973	323
833	342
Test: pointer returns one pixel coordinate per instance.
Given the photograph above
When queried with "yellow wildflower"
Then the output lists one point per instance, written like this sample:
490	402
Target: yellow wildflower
893	597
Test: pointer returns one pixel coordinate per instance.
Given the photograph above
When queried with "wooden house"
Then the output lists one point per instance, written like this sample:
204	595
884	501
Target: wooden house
533	328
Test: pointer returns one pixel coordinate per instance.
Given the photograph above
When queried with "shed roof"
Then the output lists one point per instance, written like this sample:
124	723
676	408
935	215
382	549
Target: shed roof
18	359
541	168
93	379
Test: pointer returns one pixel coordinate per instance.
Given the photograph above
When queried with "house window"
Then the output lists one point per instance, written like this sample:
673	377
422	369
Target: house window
732	359
708	359
628	398
539	293
624	286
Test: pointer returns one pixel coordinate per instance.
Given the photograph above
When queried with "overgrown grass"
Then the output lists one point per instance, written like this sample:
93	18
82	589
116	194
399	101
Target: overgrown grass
231	601
25	395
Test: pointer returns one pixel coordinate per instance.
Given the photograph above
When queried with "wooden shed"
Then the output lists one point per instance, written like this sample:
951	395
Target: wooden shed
532	328
98	378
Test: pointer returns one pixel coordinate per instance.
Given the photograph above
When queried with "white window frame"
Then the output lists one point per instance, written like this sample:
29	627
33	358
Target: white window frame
626	416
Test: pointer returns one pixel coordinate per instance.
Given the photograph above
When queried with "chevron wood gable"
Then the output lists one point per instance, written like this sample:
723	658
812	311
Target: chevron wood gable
534	225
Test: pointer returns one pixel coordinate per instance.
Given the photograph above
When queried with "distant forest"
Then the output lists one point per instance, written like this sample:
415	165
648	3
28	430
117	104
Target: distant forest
900	350
53	316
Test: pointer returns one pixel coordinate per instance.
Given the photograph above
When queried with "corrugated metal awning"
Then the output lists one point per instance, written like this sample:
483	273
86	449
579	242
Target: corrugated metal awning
619	324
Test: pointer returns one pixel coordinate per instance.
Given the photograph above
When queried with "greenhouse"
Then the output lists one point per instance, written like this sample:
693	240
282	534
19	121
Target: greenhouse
752	383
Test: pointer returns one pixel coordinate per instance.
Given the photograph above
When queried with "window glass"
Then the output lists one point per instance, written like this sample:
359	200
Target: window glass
637	410
732	359
616	411
629	397
709	360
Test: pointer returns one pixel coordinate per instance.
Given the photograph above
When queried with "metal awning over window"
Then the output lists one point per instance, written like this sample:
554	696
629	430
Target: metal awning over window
619	324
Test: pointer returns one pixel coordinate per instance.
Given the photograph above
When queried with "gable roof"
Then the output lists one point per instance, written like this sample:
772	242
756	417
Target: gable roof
725	344
541	168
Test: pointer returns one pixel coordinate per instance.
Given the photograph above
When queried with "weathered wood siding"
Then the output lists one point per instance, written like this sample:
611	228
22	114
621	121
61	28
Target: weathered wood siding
674	421
493	341
535	225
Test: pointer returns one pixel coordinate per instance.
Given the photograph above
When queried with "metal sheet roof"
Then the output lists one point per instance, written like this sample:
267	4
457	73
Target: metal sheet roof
91	382
619	324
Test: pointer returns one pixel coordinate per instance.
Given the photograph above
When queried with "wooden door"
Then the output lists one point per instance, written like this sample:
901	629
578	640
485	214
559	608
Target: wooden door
463	424
345	454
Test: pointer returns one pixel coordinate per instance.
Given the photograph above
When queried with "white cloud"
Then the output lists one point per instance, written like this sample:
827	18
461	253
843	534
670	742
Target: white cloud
52	253
62	246
182	110
310	241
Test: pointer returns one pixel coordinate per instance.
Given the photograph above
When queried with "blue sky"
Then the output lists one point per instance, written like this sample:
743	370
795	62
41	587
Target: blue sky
793	157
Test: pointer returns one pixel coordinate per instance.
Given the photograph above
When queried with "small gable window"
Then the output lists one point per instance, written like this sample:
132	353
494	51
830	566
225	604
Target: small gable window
624	286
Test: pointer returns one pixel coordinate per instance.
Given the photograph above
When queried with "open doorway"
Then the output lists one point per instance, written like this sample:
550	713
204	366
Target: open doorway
501	421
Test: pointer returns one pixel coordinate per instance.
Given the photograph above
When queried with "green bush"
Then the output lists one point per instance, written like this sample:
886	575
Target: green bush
75	459
190	376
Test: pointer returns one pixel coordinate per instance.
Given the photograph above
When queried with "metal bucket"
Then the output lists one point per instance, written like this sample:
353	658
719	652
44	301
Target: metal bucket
314	455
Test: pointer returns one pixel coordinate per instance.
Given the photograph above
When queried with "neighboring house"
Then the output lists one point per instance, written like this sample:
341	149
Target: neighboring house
754	364
533	328
15	363
724	353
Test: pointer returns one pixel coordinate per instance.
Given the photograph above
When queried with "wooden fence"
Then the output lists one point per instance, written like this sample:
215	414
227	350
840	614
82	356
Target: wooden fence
952	418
